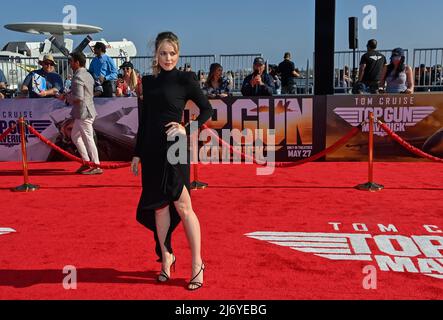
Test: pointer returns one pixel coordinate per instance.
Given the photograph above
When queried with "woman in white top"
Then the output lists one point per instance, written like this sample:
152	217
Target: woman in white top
397	76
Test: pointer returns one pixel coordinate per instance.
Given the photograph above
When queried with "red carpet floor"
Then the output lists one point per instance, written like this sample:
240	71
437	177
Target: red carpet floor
89	223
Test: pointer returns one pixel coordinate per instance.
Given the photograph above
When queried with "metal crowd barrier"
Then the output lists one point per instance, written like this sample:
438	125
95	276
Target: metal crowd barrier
428	69
343	61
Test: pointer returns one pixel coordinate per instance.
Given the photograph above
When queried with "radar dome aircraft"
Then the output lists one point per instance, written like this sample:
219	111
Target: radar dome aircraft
18	58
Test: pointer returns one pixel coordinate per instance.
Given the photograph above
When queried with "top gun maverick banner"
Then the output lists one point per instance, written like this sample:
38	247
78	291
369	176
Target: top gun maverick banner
418	119
117	122
298	123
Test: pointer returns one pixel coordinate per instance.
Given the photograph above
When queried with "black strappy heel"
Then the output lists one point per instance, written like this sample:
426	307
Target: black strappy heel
197	284
164	275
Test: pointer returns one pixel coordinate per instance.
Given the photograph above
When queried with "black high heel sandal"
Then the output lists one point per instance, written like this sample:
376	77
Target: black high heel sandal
197	285
164	275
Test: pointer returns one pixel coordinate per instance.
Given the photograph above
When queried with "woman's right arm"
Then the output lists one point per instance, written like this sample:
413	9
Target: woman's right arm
142	114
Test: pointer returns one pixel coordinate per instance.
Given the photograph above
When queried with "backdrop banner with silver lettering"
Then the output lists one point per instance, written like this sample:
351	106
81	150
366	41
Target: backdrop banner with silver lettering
297	133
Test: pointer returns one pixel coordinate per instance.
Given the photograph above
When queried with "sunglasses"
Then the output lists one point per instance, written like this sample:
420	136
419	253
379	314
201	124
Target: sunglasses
48	64
127	68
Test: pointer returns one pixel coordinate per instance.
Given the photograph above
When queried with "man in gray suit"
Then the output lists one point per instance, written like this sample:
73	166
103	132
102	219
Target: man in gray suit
83	112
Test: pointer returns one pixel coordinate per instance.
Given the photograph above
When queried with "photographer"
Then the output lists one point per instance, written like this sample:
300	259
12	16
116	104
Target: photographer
129	84
45	82
2	83
104	70
259	83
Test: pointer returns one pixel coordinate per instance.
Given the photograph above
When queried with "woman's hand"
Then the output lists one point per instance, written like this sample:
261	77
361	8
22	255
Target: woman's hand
175	129
134	165
408	91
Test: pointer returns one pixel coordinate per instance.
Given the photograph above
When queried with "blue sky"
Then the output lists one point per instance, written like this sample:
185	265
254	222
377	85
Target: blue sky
237	26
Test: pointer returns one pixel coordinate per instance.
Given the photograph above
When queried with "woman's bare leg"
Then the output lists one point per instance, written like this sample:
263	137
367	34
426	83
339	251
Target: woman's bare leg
162	222
192	229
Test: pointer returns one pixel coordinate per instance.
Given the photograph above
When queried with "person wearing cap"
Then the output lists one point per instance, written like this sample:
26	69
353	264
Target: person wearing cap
45	82
288	73
259	83
104	70
81	98
371	67
130	84
397	76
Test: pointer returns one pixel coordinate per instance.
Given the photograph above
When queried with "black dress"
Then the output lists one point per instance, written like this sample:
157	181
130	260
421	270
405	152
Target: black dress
164	100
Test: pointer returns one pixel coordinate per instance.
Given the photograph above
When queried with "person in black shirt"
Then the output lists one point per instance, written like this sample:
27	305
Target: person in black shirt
288	73
259	83
371	67
165	198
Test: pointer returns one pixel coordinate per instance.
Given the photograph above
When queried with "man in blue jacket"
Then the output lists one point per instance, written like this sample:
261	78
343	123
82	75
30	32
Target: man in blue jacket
104	70
259	83
45	82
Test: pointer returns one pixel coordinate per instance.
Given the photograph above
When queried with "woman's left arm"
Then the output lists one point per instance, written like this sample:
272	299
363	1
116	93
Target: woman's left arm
196	94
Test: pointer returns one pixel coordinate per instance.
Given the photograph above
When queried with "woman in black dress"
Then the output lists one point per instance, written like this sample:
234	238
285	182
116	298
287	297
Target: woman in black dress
165	199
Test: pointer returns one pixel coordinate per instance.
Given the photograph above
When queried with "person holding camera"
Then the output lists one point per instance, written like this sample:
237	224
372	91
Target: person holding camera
3	82
104	70
45	82
259	83
130	83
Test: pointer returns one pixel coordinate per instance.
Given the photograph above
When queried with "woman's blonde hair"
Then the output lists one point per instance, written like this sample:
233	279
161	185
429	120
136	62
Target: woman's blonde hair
133	81
163	37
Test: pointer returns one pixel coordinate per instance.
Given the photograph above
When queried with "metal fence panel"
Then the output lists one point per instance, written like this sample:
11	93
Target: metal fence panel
428	69
343	60
240	65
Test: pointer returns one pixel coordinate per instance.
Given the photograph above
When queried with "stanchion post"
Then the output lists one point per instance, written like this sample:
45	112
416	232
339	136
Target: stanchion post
371	185
195	184
26	187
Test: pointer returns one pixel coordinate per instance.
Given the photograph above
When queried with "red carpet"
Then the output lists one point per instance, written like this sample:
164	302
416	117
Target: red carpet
89	222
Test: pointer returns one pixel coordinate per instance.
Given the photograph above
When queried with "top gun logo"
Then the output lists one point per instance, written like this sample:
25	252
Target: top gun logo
398	113
419	254
291	118
14	137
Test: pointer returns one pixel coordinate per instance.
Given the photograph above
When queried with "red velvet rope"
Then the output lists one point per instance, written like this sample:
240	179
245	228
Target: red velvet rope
319	155
406	145
7	132
74	158
315	157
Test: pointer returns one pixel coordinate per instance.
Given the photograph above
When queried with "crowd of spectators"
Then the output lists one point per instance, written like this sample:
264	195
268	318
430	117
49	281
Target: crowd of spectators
375	74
